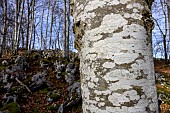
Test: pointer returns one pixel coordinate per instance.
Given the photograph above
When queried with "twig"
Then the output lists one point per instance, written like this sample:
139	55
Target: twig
23	85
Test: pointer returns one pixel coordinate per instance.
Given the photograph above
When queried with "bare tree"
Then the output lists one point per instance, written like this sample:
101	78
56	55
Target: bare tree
20	23
65	32
4	32
52	21
31	23
161	26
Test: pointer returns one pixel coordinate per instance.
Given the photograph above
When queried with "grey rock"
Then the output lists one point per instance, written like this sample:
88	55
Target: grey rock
16	68
61	109
24	65
20	60
159	77
5	78
70	70
70	66
75	87
9	71
69	78
49	99
59	67
74	95
7	97
39	80
8	86
39	76
20	76
5	63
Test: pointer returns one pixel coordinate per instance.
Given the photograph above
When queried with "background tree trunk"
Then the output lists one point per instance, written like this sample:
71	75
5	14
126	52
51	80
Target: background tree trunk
116	63
4	27
65	33
28	24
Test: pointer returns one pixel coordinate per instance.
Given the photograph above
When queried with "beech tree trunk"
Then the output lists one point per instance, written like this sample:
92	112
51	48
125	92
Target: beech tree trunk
116	64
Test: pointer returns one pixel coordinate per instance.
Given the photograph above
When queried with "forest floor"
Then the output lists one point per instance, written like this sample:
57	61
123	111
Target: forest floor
163	84
37	101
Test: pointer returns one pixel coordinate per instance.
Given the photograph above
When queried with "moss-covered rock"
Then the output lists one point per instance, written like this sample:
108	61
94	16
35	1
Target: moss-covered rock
11	108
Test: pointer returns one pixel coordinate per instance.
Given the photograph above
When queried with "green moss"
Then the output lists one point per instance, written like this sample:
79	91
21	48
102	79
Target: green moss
79	108
46	61
27	81
64	60
36	56
1	67
37	100
52	107
35	110
55	96
18	90
11	108
44	91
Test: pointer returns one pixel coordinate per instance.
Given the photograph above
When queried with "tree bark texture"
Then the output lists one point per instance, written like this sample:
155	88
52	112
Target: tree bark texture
116	65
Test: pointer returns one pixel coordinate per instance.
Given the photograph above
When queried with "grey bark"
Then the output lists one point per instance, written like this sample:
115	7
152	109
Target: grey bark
116	64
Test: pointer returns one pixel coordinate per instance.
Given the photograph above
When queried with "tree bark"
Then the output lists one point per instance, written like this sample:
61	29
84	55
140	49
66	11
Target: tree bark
51	26
3	45
65	34
20	23
15	39
46	33
32	23
28	24
116	63
41	35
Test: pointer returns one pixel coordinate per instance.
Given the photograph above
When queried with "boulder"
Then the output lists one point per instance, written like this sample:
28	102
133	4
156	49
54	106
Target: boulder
5	63
70	73
39	81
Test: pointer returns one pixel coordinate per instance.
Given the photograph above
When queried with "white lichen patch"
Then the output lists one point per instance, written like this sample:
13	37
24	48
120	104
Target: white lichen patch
100	104
133	15
119	85
91	5
85	15
108	65
97	98
91	85
118	74
117	99
85	93
116	2
108	28
134	5
94	5
142	103
132	94
106	92
136	110
135	10
122	58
